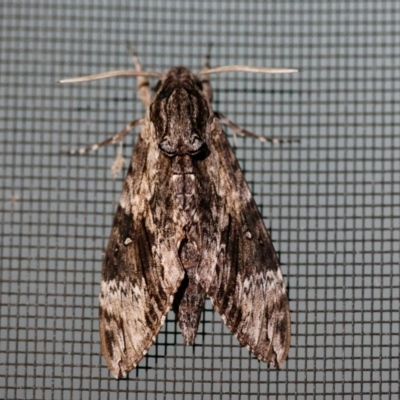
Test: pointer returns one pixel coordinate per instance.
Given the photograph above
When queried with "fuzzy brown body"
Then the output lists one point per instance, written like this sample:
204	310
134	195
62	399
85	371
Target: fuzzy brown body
188	226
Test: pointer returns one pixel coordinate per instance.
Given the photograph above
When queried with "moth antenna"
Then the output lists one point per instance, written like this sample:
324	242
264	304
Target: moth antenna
111	74
246	68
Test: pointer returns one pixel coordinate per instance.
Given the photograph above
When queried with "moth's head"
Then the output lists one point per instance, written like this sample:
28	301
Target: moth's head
180	110
180	113
178	76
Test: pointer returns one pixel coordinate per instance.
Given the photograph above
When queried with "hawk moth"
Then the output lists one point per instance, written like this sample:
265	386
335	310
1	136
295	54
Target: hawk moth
186	227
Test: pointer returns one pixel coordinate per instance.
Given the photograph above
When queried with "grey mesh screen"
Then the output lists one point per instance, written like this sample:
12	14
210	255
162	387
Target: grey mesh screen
331	201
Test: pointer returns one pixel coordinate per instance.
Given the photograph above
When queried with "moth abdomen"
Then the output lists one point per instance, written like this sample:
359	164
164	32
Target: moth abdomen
188	306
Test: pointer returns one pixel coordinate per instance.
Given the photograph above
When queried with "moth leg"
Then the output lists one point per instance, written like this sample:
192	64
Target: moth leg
142	82
205	79
118	137
243	132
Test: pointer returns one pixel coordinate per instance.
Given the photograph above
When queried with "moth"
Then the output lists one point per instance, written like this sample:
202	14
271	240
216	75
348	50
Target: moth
186	227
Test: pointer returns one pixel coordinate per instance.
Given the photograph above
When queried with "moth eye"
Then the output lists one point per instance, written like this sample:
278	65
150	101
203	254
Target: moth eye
196	145
166	147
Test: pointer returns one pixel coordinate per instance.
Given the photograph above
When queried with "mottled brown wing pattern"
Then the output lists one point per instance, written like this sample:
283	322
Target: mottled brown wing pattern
141	272
239	269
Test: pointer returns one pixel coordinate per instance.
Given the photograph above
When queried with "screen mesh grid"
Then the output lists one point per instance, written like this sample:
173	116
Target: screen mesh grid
330	201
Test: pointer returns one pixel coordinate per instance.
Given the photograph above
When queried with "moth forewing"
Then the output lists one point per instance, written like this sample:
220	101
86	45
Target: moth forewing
187	226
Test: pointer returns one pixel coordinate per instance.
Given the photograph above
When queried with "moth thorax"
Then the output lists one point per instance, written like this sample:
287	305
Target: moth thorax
184	188
182	165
